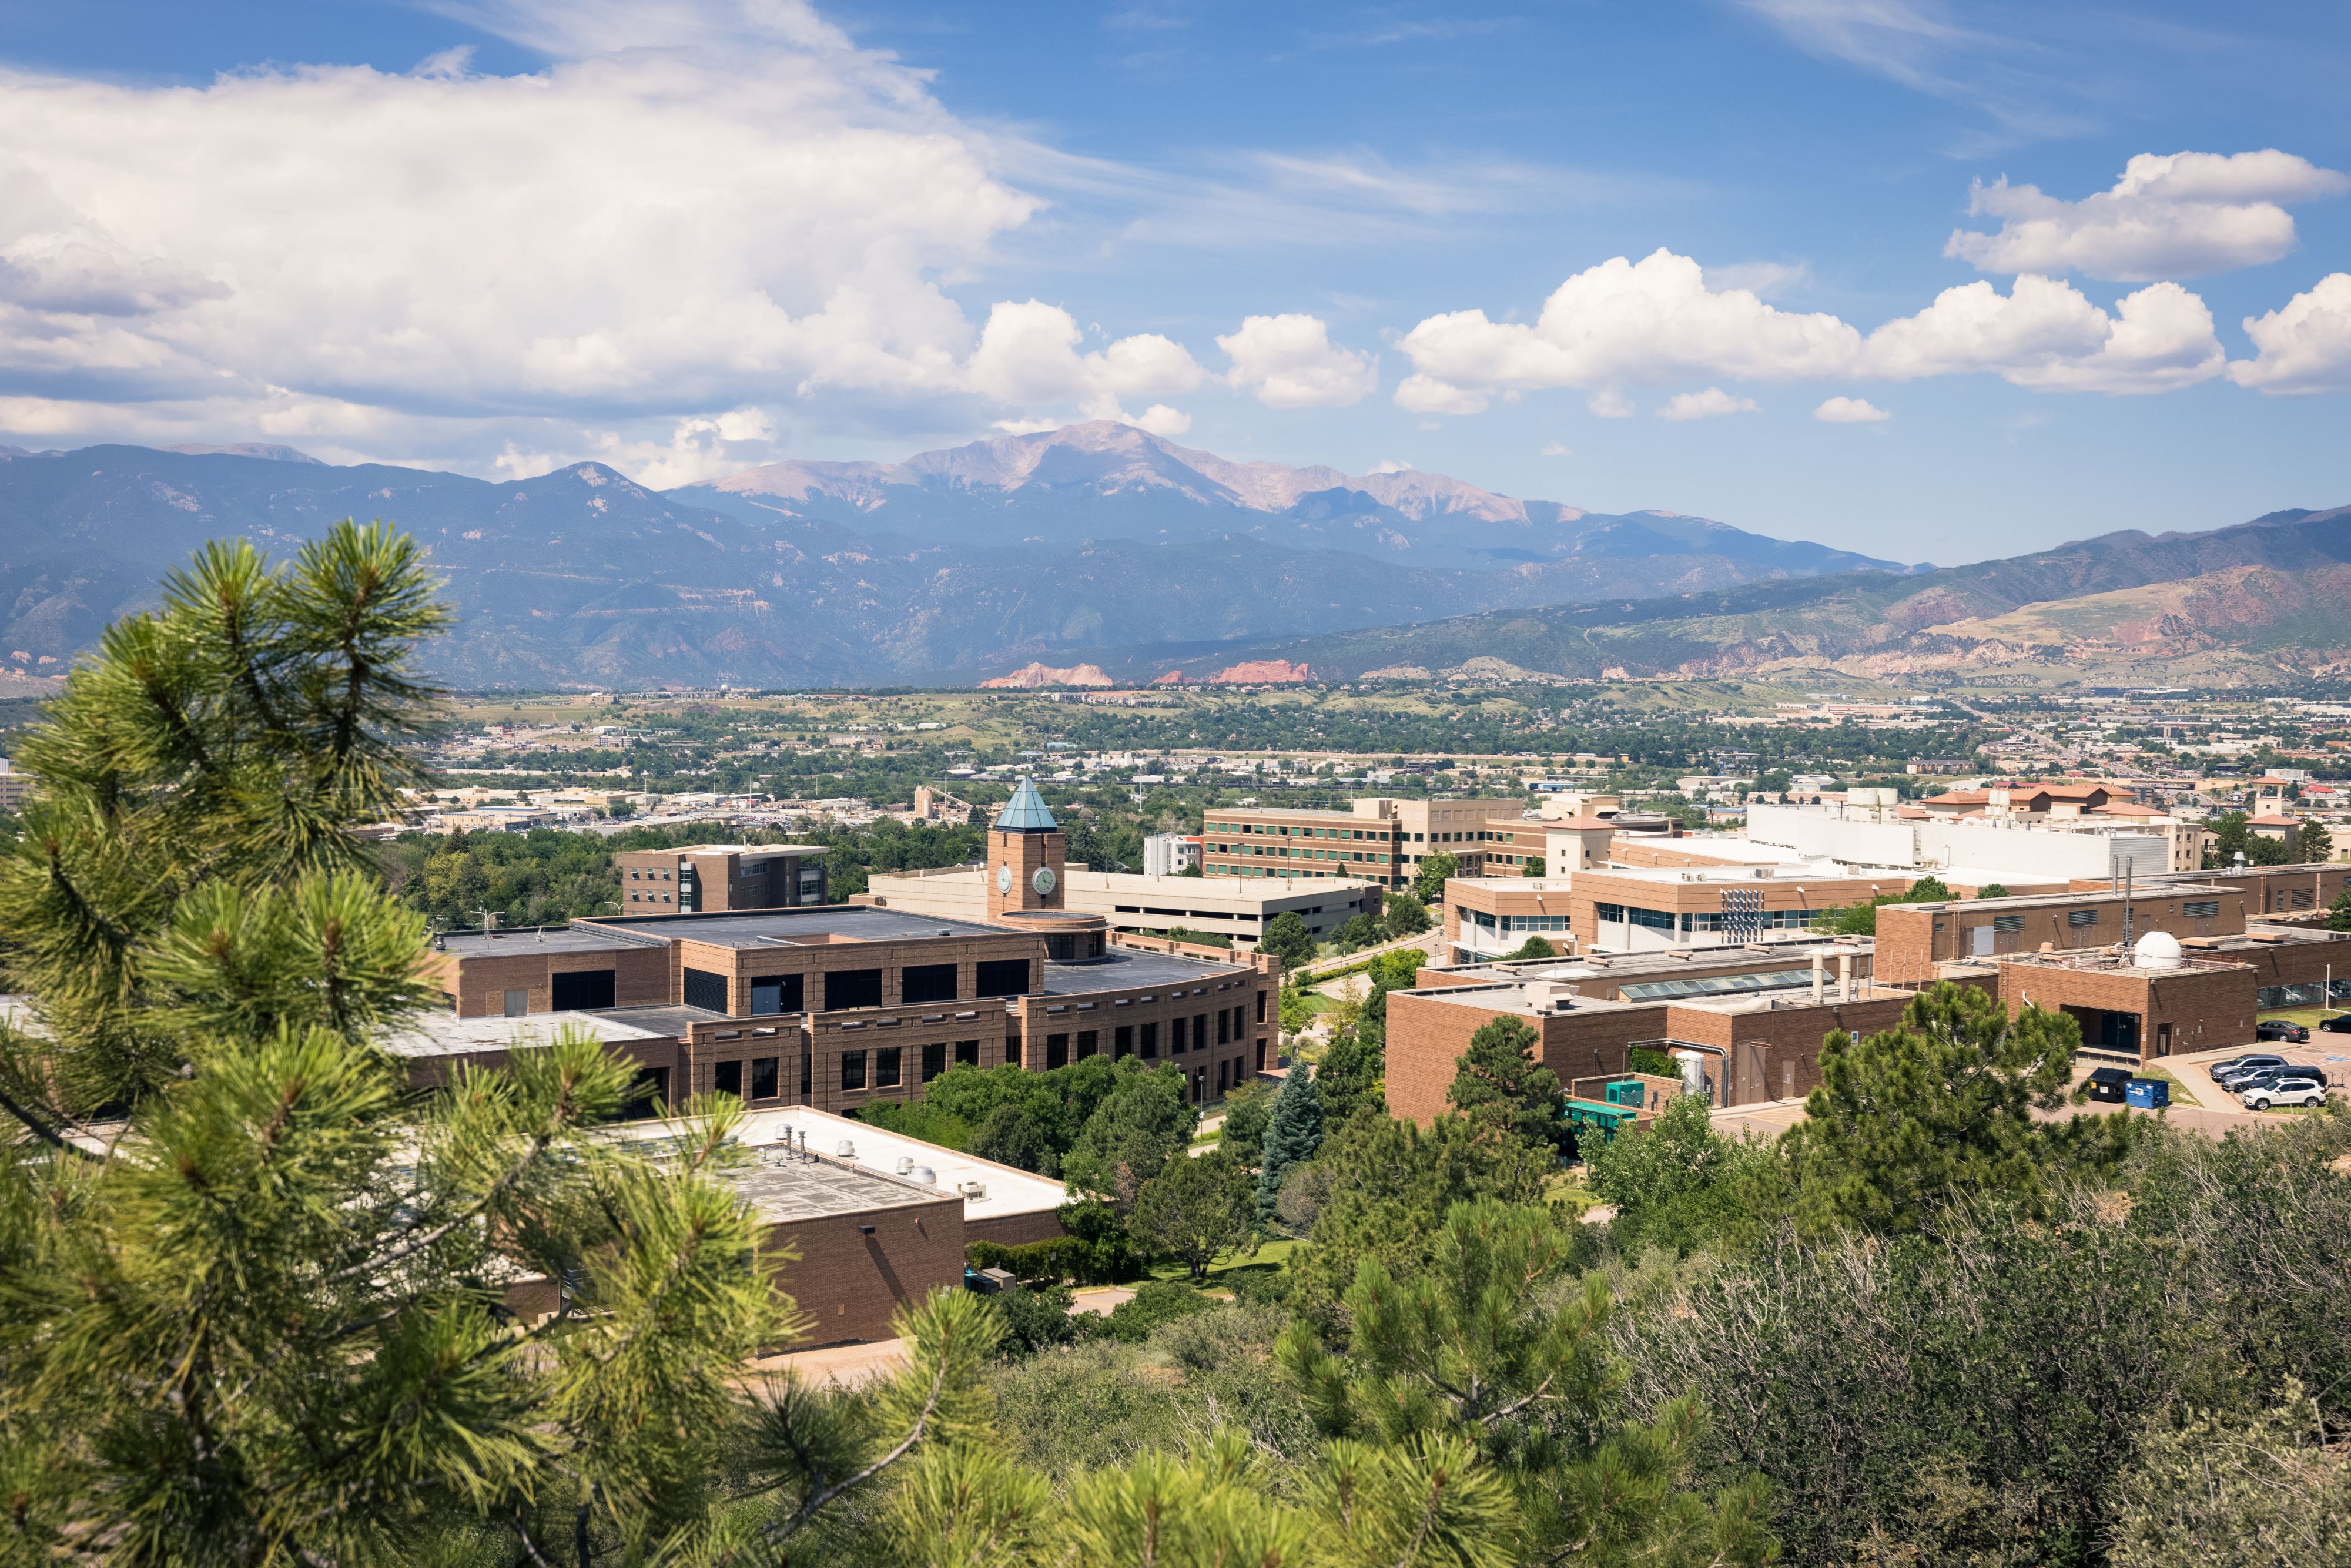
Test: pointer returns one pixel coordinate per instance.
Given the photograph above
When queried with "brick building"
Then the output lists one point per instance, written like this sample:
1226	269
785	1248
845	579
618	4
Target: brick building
1380	837
1644	908
837	1006
1752	1019
714	879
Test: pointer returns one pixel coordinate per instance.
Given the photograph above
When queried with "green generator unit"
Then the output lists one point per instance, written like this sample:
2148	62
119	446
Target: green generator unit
1628	1091
1599	1116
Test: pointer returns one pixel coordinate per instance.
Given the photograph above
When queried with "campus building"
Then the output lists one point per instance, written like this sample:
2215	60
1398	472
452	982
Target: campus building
1746	1023
712	879
836	1006
1379	837
1634	909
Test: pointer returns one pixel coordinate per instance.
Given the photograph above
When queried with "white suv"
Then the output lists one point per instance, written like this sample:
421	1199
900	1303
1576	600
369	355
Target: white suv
2287	1091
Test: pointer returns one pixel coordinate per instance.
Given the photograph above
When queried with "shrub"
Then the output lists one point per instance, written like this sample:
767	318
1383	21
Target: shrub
1157	1301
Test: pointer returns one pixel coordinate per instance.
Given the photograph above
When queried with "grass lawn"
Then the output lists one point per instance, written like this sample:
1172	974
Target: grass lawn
1270	1258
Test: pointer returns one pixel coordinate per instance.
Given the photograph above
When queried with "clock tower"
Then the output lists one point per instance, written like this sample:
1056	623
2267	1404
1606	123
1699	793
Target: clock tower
1025	855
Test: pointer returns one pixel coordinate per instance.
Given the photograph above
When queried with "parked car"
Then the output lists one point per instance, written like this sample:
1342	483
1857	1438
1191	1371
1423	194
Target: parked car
2340	1023
2259	1077
2221	1070
2285	1090
2280	1029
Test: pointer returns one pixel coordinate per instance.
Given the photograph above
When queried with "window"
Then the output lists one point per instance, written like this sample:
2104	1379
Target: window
934	1060
853	988
1175	1036
1224	1027
1199	1031
1087	1043
2201	909
852	1069
1261	1007
1003	977
2008	923
1057	1050
2081	917
727	1078
704	989
767	1077
1012	1050
1150	1042
779	993
927	983
1122	1042
886	1071
583	990
515	1003
966	1054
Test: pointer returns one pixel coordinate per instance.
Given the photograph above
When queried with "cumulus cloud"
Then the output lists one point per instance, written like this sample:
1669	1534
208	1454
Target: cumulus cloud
2304	347
1556	449
1656	322
1610	403
1711	404
695	208
2170	216
1850	410
1289	361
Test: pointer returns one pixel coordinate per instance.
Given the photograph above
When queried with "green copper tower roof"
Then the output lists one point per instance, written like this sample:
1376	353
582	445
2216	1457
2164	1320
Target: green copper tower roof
1026	813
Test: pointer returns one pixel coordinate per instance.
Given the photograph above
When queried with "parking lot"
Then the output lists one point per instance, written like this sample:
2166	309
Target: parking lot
2328	1055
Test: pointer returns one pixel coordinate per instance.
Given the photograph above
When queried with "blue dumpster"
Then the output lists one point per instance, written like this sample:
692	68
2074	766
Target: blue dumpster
2148	1093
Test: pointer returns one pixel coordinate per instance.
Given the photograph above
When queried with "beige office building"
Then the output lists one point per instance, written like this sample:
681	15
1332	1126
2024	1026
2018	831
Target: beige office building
1382	838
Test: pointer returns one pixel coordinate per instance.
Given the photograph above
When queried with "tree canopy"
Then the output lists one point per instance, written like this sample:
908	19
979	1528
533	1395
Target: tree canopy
1498	1086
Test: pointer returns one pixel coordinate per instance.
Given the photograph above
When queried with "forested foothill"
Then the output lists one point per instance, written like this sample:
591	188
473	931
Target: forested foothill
256	1310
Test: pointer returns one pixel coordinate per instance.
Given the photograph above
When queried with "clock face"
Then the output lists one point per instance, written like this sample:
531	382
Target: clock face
1043	880
1004	879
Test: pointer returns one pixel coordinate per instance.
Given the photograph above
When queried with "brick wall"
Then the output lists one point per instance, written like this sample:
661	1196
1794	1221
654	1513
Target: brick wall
641	976
1911	938
1426	1037
847	1284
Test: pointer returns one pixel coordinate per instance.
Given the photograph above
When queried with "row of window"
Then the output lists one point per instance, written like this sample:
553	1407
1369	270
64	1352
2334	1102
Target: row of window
1279	832
1708	920
847	989
1142	1039
1283	851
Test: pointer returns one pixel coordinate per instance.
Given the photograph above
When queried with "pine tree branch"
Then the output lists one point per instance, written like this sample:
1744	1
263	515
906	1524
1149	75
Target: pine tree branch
410	1242
779	1532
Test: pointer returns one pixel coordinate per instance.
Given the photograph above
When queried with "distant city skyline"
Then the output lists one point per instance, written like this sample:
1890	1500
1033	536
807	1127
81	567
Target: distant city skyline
1923	281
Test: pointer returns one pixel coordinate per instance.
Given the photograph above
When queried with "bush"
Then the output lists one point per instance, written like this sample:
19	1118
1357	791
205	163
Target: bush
1034	1319
1157	1301
918	1120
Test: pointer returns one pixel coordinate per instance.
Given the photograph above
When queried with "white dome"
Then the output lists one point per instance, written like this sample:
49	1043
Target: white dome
2157	950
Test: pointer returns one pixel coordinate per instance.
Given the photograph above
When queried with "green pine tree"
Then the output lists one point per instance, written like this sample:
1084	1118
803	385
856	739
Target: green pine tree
1940	1104
1293	1136
1499	1086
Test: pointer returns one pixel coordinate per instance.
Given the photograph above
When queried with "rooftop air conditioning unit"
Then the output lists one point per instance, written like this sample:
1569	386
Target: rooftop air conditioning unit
845	1150
973	1190
905	1164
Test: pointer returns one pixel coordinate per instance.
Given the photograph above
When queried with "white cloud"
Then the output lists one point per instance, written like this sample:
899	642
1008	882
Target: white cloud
1029	355
1610	403
2306	345
697	206
1390	465
2172	216
1649	321
1711	404
1850	410
1767	279
1289	361
1553	449
1161	420
1425	395
708	446
1657	322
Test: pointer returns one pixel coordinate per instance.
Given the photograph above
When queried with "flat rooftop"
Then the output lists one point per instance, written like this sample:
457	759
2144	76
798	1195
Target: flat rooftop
577	937
784	1187
439	1034
1123	967
781	927
739	850
1793	947
2146	894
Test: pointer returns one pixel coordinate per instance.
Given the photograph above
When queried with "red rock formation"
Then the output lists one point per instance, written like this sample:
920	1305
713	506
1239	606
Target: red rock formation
1033	676
1262	672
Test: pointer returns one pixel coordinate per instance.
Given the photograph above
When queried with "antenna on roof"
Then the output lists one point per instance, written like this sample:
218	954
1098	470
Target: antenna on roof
489	921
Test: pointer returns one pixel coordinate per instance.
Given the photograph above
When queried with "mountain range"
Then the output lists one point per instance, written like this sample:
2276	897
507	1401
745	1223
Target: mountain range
1099	552
1075	544
2251	603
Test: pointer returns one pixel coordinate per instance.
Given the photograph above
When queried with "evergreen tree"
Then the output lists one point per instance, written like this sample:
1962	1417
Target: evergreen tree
1499	1086
1351	1077
1479	1352
266	1317
1532	947
2339	915
1195	1210
1145	1121
1942	1104
1248	1110
1287	938
1294	1134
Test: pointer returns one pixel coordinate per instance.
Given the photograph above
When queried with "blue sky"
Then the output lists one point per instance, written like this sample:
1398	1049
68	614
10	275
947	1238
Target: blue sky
686	238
